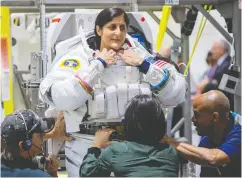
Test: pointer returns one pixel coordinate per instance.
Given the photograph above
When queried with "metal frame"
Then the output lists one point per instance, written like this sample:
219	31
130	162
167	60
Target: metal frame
135	5
215	24
237	45
140	3
20	80
44	6
188	103
70	5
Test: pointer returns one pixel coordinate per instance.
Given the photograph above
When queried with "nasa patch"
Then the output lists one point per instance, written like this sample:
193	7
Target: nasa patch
70	63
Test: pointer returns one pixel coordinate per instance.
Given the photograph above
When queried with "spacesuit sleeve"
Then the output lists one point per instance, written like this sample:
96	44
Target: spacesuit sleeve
67	87
166	82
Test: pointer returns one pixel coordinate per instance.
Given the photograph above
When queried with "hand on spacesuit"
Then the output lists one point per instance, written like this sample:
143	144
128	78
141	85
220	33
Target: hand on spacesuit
52	165
165	139
107	56
59	130
102	138
131	58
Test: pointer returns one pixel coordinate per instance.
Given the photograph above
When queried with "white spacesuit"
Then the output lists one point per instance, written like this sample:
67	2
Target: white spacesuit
75	67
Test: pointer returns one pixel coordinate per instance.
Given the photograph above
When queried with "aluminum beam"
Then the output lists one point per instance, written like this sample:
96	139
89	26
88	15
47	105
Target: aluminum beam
177	127
140	2
237	45
143	3
215	24
134	6
65	2
43	38
18	3
26	9
49	9
181	2
188	103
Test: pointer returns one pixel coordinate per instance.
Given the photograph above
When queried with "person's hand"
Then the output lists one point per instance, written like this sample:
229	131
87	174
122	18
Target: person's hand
102	138
203	83
131	58
52	164
107	56
166	139
59	130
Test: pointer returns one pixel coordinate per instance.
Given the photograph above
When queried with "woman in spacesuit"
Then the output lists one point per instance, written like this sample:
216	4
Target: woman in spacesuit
114	71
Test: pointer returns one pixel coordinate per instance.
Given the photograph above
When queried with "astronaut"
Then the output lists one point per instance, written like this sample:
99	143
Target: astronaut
98	79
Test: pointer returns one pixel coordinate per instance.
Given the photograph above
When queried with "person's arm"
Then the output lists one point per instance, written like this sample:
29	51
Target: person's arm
67	89
52	166
202	156
67	86
96	162
59	130
169	85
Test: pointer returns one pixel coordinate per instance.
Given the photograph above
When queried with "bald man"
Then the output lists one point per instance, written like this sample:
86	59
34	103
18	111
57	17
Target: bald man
219	151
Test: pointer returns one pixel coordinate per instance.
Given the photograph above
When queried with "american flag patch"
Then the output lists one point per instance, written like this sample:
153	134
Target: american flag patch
160	63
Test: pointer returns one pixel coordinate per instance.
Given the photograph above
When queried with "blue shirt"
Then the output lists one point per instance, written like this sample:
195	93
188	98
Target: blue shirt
232	147
20	168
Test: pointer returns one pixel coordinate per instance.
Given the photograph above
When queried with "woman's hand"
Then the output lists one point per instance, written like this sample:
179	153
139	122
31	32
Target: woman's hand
102	138
52	164
59	130
131	58
107	56
166	139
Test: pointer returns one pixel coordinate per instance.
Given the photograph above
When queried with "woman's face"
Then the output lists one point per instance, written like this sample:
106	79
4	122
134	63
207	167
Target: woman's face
113	34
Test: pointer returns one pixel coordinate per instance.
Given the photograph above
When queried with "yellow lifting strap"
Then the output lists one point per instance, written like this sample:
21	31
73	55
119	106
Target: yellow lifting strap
166	12
199	34
6	70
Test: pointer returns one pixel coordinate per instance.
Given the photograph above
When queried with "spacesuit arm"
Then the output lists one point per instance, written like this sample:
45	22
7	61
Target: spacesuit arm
68	88
166	82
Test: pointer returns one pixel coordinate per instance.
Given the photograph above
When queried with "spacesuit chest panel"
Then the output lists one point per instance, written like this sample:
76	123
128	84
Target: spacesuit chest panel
117	85
115	74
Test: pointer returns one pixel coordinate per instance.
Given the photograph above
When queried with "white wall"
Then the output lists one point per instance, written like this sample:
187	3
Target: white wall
21	53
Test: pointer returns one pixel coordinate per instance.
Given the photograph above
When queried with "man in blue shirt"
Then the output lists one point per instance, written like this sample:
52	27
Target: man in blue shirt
219	151
21	140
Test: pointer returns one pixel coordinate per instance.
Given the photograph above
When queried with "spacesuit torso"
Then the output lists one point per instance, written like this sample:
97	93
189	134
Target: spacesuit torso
113	87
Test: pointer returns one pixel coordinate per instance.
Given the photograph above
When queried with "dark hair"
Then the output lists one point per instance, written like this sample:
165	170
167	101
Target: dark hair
144	120
9	151
106	16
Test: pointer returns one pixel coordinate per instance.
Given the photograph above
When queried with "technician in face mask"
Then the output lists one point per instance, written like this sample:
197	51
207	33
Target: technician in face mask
21	140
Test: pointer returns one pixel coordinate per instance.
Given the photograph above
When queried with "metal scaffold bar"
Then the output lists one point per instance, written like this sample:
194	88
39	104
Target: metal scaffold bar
237	45
215	23
141	3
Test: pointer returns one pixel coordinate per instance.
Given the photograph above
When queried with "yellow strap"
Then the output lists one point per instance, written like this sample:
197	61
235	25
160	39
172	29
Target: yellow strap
166	12
199	34
16	21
